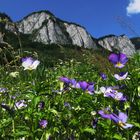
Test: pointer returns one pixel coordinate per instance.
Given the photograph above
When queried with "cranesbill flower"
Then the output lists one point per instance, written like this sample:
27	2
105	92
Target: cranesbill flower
121	120
43	123
119	60
29	63
121	76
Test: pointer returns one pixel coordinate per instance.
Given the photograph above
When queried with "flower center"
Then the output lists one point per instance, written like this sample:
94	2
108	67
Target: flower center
119	64
121	124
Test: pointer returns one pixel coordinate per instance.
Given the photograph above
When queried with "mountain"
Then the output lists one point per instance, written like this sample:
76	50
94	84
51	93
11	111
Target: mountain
48	29
44	27
119	43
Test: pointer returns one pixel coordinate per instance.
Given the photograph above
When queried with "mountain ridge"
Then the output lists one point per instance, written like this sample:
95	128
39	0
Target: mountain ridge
44	27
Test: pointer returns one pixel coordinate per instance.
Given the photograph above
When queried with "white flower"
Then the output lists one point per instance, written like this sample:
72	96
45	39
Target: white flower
121	76
29	64
20	104
14	74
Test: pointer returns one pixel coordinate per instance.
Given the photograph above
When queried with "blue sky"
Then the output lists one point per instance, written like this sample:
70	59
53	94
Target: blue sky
99	17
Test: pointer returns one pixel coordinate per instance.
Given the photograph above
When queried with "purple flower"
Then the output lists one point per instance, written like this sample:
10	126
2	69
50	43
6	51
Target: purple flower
74	83
29	63
121	76
41	105
66	104
94	122
103	76
3	90
87	86
20	104
110	92
119	60
121	120
105	113
43	123
65	80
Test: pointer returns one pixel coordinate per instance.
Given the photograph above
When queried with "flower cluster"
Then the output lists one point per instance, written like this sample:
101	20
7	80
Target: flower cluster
119	61
85	86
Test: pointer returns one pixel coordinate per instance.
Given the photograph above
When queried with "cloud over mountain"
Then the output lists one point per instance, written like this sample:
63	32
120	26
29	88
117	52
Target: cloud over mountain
133	7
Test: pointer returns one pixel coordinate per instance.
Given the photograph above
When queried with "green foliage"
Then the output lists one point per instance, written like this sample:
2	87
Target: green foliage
73	120
69	112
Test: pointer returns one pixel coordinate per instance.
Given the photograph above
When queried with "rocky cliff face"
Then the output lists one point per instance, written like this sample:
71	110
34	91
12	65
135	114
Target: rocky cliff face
117	43
46	28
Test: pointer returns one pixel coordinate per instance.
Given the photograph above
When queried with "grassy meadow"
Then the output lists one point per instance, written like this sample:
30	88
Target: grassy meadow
44	104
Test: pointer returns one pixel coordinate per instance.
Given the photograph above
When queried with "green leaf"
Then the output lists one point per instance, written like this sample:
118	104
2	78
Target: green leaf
21	133
117	136
136	124
36	101
89	130
55	112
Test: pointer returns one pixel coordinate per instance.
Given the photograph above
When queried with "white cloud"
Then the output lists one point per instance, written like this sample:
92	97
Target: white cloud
133	7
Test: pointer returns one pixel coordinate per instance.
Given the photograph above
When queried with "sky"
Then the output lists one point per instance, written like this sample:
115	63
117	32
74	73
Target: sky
99	17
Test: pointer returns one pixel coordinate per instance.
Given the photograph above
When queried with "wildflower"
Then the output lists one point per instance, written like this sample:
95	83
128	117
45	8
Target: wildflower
3	90
29	64
87	86
94	122
119	60
74	83
121	76
105	113
103	76
14	74
67	105
43	123
119	96
121	120
65	80
41	105
20	104
110	92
